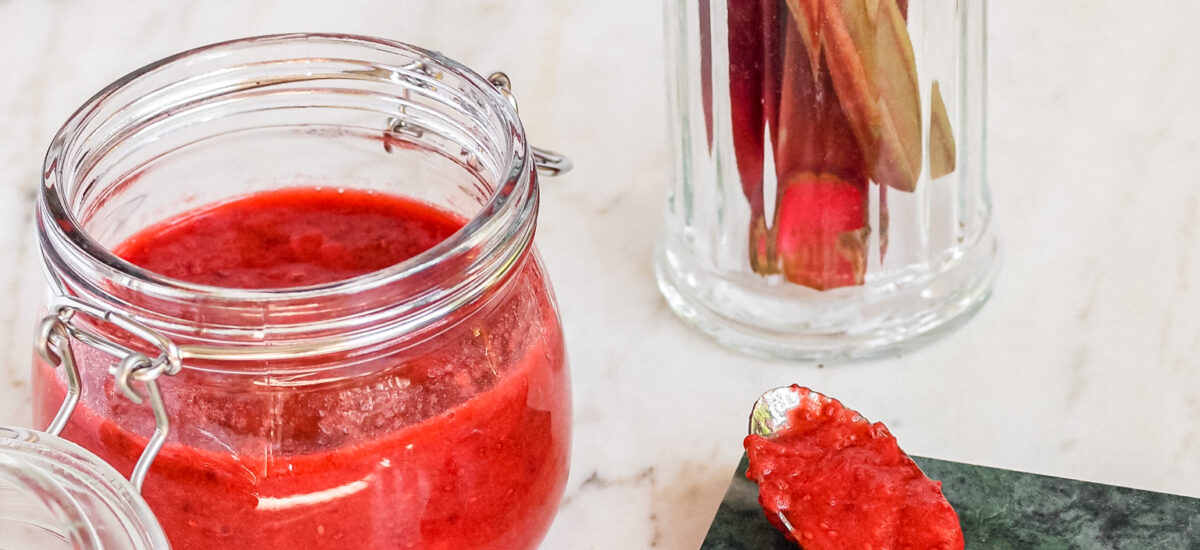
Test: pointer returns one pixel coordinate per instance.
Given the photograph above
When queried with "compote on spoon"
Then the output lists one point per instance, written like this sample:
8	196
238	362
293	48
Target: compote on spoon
830	479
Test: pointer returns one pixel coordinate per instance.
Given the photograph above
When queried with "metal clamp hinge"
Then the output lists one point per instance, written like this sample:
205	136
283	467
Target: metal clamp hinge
548	162
53	343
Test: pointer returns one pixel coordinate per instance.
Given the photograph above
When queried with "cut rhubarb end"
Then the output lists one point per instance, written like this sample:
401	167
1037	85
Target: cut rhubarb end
763	259
821	231
841	482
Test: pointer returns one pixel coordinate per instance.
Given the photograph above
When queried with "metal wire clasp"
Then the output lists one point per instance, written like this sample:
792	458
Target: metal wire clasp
54	345
548	162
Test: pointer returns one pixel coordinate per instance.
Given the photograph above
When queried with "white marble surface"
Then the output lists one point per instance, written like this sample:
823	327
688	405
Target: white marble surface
1084	365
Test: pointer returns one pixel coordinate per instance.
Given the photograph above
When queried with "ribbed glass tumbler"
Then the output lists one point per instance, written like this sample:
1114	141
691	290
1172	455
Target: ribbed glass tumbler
830	199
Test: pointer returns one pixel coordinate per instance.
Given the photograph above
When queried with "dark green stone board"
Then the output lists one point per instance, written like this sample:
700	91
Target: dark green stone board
1004	510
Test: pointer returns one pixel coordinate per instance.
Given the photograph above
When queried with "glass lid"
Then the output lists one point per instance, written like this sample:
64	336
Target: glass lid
54	495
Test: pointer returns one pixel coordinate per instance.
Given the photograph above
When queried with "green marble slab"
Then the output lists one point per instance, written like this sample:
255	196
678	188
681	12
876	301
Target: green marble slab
1004	510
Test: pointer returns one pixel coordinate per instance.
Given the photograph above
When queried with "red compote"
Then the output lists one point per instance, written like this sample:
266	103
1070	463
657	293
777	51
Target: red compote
831	480
459	441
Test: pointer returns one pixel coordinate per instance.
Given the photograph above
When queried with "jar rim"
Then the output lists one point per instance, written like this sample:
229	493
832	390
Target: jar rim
509	210
59	212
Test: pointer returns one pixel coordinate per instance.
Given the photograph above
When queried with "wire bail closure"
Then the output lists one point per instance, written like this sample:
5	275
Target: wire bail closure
548	162
53	343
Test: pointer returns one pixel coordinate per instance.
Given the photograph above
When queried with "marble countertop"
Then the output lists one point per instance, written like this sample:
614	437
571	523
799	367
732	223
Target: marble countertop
1084	365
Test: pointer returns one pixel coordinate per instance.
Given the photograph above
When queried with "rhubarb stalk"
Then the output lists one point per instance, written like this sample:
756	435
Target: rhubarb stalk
832	85
821	216
870	57
706	90
748	78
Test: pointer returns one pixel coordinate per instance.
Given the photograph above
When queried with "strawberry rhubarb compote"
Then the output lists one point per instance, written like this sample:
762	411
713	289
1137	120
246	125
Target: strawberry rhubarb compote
456	441
831	480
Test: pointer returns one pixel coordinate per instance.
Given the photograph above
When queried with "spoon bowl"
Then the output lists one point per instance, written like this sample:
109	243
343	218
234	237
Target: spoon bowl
770	413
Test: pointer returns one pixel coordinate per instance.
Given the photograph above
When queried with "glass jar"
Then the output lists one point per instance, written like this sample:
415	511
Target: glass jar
55	495
423	405
830	199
